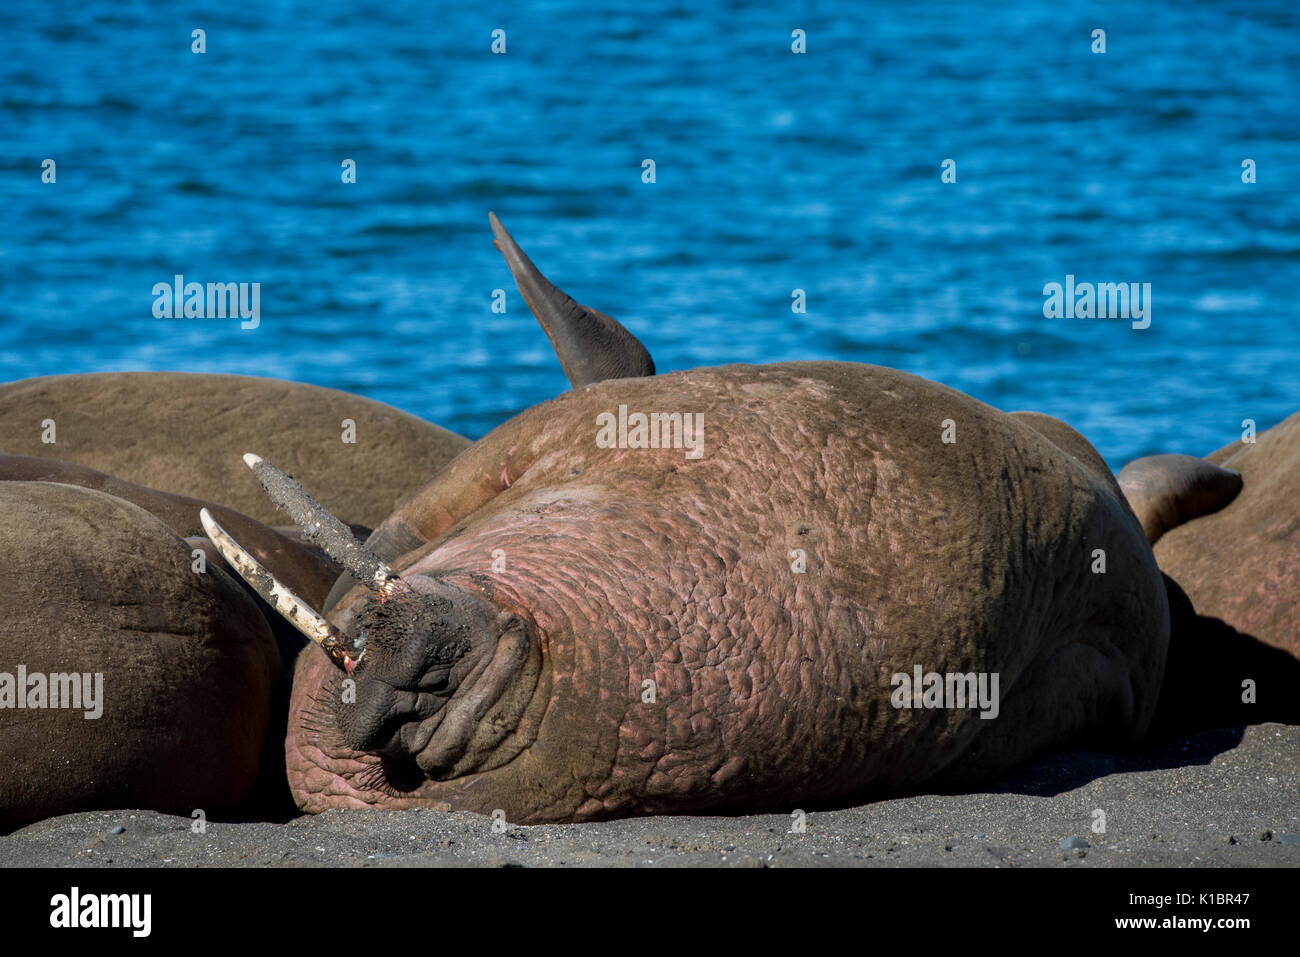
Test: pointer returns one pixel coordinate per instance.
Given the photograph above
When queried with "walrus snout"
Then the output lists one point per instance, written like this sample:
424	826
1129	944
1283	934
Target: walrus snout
391	722
416	649
437	658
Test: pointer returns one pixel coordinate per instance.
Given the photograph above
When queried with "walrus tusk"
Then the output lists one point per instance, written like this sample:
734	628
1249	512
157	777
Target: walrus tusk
294	610
322	527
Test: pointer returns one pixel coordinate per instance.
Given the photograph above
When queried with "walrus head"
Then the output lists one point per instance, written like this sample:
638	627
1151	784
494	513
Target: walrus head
420	661
432	675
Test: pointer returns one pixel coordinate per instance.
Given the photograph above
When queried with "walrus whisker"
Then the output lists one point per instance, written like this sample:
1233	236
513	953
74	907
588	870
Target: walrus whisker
322	527
293	609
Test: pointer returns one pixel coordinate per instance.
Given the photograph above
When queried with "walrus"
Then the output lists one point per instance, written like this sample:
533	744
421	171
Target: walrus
573	621
302	566
104	613
172	431
108	578
1227	529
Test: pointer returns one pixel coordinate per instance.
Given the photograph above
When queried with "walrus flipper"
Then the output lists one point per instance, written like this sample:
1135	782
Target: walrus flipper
1165	491
591	346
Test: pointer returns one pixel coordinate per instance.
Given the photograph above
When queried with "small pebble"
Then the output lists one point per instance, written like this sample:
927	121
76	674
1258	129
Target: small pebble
1071	843
1265	835
118	830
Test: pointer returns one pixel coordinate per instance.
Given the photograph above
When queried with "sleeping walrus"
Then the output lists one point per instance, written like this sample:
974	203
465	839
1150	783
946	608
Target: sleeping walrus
722	589
734	588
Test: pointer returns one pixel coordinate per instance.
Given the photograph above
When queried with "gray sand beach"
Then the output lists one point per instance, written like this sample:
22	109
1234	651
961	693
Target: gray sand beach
1226	798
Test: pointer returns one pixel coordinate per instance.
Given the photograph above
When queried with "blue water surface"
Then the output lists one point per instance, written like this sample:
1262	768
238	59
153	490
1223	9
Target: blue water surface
775	171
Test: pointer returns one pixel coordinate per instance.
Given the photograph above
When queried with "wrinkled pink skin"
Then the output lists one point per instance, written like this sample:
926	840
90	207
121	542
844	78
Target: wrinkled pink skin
772	689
